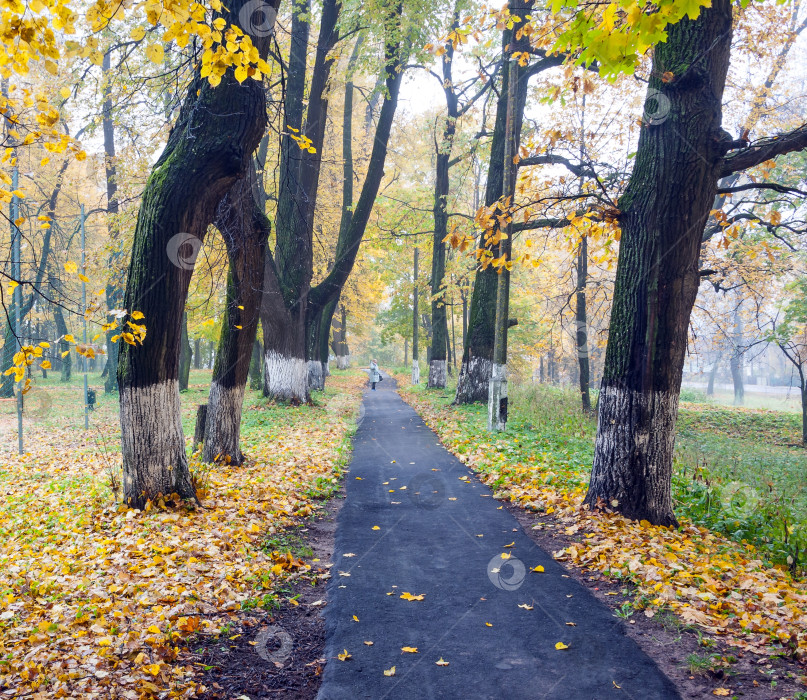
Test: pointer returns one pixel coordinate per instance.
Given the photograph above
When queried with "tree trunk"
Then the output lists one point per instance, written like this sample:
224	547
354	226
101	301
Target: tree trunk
581	340
477	357
245	230
184	355
415	328
323	298
710	386
256	365
114	287
342	351
208	150
64	346
803	410
438	359
662	215
197	353
736	361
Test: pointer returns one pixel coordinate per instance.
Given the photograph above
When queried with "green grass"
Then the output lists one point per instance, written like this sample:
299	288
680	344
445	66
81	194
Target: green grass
733	473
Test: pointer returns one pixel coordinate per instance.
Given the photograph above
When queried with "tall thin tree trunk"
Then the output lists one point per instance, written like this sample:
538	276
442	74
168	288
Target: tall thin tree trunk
114	287
256	366
184	354
208	150
581	340
710	386
662	215
736	362
415	323
245	230
197	353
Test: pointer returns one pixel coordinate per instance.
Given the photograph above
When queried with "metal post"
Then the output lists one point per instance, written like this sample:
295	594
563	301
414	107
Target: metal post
84	318
16	273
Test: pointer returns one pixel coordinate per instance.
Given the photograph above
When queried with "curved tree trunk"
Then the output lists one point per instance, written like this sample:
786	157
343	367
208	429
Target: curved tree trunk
245	230
208	150
663	213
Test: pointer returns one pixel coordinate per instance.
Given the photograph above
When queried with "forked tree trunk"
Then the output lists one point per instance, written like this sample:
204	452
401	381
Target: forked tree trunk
208	150
245	230
663	213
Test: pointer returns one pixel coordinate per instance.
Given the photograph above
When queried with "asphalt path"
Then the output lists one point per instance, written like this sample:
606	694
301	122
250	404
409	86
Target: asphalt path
416	521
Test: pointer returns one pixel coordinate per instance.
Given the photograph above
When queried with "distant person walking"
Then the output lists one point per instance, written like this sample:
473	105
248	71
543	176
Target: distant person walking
375	374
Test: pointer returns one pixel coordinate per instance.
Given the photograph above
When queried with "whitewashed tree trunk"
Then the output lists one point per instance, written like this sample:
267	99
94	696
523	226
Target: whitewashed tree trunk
156	464
437	374
222	435
497	398
415	372
286	378
342	361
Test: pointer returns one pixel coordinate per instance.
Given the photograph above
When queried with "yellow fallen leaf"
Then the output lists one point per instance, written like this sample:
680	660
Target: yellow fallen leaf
375	527
410	650
560	646
441	662
344	656
721	691
153	669
409	596
487	624
369	644
390	671
355	619
538	569
510	545
154	629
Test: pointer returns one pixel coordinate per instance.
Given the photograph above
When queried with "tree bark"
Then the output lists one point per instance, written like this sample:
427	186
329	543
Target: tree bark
663	213
245	230
477	357
710	386
354	221
736	361
415	324
581	339
256	365
114	287
208	150
184	355
197	353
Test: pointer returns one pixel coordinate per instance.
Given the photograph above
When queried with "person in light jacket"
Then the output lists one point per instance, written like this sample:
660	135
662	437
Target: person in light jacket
375	374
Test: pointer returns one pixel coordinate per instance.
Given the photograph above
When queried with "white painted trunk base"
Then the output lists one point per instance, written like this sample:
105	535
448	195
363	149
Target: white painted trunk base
497	398
474	380
286	378
438	370
415	372
152	443
223	424
342	361
316	377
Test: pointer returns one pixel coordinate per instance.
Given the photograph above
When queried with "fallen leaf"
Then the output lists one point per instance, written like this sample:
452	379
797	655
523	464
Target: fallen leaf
369	644
390	671
525	606
560	646
441	662
344	656
409	596
355	619
538	569
721	692
375	527
410	650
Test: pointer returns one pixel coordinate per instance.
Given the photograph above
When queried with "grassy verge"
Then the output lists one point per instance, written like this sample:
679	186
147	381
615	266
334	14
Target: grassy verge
97	600
542	463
